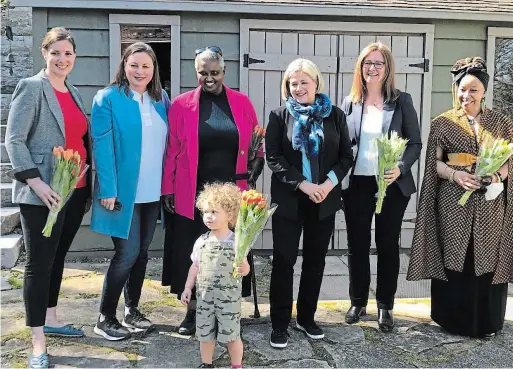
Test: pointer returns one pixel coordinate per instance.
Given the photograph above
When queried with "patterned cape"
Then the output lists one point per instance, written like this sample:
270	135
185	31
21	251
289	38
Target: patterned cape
444	229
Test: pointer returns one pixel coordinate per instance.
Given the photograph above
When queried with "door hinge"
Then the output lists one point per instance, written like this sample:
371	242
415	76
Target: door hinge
247	61
423	65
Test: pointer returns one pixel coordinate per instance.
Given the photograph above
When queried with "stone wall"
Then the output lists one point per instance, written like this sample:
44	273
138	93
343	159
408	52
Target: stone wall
20	19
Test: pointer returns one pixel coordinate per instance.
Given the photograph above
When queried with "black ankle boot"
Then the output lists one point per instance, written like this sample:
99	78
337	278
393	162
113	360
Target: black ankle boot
385	320
354	313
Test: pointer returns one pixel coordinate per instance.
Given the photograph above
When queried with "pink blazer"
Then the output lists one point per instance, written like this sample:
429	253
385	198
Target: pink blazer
181	162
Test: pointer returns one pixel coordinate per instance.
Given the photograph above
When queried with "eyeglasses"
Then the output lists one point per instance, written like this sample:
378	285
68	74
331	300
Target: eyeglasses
215	49
378	65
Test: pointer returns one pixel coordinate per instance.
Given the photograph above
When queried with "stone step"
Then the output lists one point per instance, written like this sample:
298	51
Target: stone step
4	168
4	158
9	219
10	246
6	194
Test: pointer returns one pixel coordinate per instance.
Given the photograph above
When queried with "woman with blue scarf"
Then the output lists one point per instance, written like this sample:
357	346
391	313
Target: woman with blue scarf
309	152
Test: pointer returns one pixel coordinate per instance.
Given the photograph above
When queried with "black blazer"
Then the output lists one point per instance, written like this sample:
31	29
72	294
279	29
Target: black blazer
399	116
287	163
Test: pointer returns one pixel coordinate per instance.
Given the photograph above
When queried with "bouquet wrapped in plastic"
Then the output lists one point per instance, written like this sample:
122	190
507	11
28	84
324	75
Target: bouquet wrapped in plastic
253	215
493	154
390	154
68	171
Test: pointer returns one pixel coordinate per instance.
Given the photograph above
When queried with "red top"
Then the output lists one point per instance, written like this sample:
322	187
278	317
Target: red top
75	126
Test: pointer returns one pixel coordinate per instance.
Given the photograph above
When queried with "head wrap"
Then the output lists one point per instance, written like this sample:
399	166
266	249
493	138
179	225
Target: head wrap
474	66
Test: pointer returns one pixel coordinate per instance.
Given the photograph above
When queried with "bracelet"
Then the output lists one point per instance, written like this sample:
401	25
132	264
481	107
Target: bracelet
499	177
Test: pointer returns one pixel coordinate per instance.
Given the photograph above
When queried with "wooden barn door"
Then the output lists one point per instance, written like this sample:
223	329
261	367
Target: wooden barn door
267	48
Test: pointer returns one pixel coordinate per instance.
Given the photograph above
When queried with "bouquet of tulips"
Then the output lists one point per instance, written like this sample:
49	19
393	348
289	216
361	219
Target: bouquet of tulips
256	142
68	171
253	214
390	154
493	153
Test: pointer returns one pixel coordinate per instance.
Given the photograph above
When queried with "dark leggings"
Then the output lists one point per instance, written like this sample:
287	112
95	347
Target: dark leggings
45	256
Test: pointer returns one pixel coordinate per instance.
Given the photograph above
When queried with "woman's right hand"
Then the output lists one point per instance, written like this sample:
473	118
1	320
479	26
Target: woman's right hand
108	203
313	191
467	181
44	192
169	203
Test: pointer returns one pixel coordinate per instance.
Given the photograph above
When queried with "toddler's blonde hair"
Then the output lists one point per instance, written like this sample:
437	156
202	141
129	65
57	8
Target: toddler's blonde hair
226	195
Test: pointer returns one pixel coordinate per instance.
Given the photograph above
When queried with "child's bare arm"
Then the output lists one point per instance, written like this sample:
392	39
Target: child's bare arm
189	284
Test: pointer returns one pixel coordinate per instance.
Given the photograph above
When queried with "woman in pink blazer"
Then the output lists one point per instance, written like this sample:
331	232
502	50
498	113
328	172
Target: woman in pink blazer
210	132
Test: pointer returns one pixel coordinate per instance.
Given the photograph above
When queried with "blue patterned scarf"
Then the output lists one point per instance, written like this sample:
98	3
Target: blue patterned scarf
308	131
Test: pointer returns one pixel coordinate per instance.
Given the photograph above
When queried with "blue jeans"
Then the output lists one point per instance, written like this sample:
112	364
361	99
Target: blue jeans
128	266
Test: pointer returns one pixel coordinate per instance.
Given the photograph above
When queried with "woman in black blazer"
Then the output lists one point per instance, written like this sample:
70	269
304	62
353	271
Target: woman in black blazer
373	108
309	152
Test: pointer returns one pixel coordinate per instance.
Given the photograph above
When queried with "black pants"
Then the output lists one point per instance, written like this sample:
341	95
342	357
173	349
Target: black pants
360	205
128	266
45	256
316	239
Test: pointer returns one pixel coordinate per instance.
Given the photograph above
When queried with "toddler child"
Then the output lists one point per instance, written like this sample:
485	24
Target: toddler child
218	293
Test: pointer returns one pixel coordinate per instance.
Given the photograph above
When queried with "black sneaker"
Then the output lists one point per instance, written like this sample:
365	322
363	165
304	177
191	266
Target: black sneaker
279	339
110	329
312	330
204	365
188	325
136	322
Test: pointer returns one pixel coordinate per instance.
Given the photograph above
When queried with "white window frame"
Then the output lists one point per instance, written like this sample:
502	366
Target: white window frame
173	21
493	34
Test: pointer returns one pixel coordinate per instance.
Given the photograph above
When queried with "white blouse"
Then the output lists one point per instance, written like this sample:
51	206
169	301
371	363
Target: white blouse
153	145
367	161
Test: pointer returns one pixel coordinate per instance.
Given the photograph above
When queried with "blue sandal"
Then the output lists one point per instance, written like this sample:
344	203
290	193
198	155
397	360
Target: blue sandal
40	361
66	331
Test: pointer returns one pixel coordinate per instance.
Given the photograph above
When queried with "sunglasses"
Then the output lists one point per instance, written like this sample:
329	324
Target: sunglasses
215	49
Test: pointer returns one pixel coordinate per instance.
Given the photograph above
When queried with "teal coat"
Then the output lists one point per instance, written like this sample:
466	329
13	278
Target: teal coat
116	131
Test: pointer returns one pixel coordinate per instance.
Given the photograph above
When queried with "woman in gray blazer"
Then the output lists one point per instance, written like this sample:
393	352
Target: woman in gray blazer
373	108
46	111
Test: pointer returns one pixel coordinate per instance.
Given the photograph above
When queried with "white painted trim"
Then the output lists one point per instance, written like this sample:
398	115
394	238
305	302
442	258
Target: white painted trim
173	21
427	90
271	8
493	34
336	26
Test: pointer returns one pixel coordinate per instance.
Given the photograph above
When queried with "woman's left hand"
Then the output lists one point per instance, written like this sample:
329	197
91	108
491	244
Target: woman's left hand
88	204
392	175
243	269
326	187
255	168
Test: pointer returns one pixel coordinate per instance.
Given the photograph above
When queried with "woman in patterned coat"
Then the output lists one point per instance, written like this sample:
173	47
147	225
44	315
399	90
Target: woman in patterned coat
467	251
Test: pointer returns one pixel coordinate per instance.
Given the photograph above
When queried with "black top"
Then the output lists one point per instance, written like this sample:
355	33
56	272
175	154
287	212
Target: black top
218	139
287	164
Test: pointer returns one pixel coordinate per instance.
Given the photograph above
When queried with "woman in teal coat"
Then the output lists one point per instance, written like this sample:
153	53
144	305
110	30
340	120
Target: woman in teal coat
129	133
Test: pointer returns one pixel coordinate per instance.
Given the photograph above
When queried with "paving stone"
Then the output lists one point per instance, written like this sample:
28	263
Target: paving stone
364	356
334	266
343	334
420	338
5	285
165	351
77	356
307	363
258	337
10	296
487	355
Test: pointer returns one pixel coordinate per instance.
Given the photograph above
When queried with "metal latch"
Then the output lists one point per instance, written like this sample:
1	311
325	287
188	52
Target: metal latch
247	61
423	65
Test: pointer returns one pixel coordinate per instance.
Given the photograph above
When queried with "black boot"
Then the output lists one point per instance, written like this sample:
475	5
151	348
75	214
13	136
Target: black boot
354	313
385	320
188	325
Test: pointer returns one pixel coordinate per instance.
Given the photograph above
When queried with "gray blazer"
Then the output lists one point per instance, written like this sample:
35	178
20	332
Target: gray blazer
399	116
34	127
